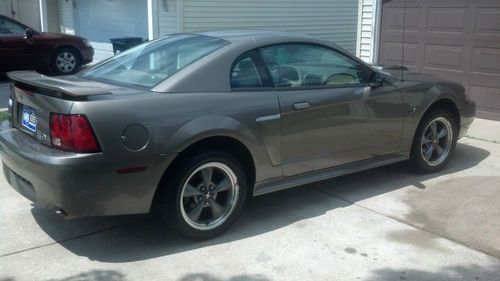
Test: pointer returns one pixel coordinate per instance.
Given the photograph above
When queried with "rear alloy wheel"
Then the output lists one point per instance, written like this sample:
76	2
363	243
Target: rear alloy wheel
206	195
65	61
434	141
209	196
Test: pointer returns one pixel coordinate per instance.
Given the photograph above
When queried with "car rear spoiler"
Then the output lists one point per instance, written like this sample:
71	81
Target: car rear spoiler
66	86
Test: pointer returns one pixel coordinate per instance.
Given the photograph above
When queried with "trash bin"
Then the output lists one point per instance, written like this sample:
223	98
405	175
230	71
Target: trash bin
122	44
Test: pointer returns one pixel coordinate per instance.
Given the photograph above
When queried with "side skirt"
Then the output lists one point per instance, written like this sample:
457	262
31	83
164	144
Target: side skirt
276	184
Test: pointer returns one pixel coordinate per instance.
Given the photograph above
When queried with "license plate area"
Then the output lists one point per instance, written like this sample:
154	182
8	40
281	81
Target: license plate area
29	119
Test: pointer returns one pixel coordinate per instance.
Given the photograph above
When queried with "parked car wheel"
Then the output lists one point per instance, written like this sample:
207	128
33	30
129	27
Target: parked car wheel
434	141
66	61
205	195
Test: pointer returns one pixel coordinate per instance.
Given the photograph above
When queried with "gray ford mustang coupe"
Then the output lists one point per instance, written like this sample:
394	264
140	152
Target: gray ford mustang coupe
190	125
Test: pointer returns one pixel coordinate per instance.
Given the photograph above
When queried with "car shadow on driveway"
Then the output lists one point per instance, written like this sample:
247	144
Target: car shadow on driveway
146	238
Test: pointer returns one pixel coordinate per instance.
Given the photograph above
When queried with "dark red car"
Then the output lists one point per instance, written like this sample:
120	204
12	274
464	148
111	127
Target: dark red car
23	48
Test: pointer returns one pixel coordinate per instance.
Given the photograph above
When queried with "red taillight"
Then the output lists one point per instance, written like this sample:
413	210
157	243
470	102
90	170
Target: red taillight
72	133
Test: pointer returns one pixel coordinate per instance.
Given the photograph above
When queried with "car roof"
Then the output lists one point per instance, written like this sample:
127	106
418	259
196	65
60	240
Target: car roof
254	35
259	37
211	72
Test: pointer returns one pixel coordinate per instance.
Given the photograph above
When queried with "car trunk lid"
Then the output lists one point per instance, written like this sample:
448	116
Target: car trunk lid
33	97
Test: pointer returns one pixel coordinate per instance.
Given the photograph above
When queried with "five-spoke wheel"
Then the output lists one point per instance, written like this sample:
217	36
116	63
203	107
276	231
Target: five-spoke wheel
209	195
434	141
204	194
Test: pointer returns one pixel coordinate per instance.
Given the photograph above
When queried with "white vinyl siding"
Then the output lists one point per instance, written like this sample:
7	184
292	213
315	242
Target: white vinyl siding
333	20
167	17
367	22
67	17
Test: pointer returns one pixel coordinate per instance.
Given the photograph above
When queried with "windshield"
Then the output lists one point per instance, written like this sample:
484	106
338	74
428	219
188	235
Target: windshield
149	64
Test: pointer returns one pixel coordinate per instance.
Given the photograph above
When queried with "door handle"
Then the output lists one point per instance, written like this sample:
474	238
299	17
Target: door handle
301	105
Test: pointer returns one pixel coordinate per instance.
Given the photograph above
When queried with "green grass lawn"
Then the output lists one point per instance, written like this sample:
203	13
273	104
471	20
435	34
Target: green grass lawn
4	115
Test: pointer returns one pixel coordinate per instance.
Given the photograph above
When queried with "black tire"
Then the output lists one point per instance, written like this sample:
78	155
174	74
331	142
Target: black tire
170	195
417	158
65	61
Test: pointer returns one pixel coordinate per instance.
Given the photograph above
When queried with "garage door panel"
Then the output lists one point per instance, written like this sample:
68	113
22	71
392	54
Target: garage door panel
488	21
393	53
456	40
488	98
486	61
393	22
447	19
448	74
101	20
444	57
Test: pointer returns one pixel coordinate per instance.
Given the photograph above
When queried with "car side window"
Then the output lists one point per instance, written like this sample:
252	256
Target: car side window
9	28
244	73
302	65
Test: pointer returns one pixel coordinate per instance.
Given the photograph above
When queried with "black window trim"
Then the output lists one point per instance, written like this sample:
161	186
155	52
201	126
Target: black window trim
265	77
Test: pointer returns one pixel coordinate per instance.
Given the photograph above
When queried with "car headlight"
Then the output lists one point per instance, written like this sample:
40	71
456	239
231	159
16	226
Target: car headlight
87	43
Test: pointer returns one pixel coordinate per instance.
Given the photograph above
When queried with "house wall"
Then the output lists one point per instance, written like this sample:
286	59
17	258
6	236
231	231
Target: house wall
333	20
25	11
49	15
167	17
367	30
67	16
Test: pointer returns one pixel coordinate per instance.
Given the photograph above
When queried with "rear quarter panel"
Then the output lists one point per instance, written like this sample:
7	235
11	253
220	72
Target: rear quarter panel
176	120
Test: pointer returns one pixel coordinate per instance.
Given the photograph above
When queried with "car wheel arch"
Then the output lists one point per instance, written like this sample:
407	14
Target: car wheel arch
224	143
445	101
442	102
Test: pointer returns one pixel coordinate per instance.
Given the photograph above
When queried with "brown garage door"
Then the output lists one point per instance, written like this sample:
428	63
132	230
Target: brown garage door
456	40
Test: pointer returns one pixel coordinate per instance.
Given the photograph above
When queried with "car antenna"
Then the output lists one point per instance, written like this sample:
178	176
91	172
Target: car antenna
403	46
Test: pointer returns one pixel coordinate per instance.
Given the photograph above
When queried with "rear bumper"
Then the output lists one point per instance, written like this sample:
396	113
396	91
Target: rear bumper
467	115
80	184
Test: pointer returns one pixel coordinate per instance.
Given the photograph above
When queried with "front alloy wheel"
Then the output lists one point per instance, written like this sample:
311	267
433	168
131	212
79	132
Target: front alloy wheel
434	141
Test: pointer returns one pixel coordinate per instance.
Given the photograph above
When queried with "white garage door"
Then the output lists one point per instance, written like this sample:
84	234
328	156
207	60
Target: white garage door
334	20
101	20
25	11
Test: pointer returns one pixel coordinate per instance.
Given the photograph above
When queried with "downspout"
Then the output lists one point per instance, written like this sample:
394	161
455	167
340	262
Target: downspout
43	15
152	19
377	4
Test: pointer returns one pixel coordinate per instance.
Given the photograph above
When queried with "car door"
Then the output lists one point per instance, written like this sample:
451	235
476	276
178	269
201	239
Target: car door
14	46
334	109
250	80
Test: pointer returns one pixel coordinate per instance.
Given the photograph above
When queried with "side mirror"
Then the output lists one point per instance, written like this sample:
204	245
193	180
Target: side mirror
28	33
376	81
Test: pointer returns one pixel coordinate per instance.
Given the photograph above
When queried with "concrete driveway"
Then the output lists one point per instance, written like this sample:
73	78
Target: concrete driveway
382	224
